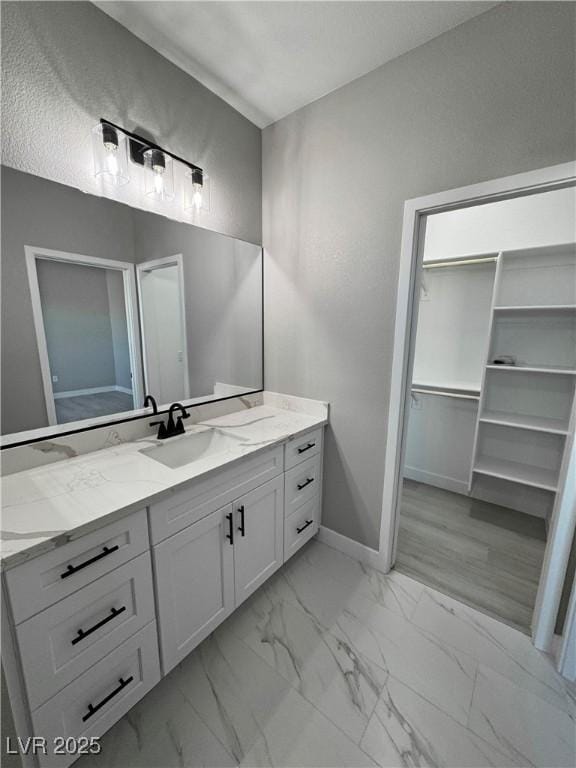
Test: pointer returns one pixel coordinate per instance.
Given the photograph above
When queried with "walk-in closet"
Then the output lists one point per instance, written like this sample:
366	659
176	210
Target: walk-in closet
491	414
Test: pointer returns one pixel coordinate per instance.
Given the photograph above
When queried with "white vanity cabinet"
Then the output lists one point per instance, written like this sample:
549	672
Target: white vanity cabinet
258	537
302	490
79	636
194	584
209	568
183	507
90	626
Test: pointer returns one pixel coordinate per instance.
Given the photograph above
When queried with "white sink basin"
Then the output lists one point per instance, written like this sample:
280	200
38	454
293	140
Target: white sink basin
179	451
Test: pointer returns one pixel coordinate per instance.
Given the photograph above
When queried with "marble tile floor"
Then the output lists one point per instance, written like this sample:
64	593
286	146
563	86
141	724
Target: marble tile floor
332	663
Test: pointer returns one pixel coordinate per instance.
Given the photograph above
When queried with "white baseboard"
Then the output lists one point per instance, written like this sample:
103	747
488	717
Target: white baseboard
438	481
91	391
351	548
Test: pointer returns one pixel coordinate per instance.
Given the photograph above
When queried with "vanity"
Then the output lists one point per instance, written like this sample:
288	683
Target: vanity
165	540
126	538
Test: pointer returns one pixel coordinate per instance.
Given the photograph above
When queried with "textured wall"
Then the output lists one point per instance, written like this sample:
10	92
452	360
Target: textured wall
492	97
66	64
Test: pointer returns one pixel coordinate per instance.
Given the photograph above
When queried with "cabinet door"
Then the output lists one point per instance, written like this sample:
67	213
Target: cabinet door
258	536
195	584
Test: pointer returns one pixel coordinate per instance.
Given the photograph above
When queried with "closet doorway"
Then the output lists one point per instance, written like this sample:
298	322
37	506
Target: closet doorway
490	412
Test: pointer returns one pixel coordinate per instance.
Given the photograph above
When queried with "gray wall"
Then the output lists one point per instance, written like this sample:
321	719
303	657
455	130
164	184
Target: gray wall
33	211
67	64
493	97
76	314
223	286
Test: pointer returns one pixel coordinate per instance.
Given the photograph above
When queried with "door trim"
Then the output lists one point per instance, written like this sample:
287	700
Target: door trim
413	230
33	254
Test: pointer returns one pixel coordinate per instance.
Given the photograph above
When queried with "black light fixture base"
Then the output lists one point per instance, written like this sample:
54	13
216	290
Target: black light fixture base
137	150
139	145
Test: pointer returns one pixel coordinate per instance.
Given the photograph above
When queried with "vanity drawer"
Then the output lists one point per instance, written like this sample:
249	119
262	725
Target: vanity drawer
302	448
300	526
91	704
302	483
184	507
66	639
48	578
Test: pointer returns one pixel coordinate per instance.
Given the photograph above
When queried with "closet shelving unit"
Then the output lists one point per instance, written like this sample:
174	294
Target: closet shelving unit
454	306
526	410
464	390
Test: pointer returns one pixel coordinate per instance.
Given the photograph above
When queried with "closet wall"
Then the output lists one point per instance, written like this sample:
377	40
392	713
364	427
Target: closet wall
450	348
455	315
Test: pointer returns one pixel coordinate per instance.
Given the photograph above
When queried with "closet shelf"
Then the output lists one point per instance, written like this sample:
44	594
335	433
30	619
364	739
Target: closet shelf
525	474
455	387
520	421
536	308
532	369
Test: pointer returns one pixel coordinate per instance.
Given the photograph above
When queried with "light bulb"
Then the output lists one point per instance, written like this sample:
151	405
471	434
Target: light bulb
197	196
111	160
158	181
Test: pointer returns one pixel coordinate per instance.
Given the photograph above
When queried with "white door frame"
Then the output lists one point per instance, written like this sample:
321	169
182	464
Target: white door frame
567	650
33	254
415	213
148	266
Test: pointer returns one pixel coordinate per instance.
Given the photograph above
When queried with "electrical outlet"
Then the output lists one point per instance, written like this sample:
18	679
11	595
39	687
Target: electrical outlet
54	379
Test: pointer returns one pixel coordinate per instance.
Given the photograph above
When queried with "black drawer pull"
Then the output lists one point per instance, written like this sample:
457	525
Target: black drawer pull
242	526
230	534
84	633
306	448
93	708
308	522
75	568
305	483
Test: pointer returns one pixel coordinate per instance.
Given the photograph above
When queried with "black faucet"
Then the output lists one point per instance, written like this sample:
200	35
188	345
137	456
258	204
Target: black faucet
149	400
178	428
171	429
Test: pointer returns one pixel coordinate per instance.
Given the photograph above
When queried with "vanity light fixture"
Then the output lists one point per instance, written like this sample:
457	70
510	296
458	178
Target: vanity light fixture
164	172
110	155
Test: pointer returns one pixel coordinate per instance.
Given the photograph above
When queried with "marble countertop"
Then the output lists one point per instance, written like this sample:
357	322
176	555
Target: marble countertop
47	506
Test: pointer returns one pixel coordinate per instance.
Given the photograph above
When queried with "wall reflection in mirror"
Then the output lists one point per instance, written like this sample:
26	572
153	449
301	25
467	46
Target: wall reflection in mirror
102	303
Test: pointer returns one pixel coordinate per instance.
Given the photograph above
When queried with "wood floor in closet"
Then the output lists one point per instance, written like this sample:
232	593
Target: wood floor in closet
487	556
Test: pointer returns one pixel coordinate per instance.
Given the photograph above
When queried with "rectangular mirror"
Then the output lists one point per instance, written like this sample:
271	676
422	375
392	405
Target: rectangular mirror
103	303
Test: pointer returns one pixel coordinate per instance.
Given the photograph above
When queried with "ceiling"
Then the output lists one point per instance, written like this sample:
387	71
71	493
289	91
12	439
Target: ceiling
267	59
